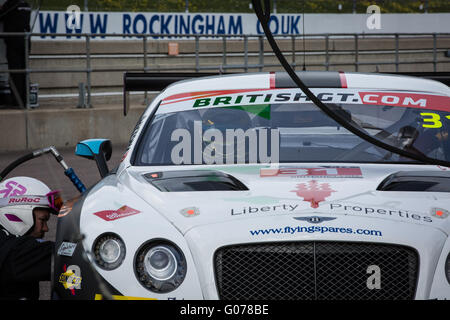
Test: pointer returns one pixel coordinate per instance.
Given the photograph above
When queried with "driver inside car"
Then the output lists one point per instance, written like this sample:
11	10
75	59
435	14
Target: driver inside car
217	145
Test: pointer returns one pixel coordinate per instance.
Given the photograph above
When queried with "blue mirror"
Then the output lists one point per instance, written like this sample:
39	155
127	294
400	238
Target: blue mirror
91	147
99	150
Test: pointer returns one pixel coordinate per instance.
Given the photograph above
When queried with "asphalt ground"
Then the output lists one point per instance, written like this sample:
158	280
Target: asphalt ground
46	169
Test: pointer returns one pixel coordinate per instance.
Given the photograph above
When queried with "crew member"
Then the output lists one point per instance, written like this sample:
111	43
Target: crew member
25	258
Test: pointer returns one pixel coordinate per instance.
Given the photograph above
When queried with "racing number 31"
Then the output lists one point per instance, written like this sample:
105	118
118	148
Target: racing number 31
432	120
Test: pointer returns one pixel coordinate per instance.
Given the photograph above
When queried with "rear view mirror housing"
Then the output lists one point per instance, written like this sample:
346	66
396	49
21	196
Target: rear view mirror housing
99	150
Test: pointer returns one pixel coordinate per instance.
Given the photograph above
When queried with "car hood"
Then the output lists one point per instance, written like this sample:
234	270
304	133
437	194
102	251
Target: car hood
303	191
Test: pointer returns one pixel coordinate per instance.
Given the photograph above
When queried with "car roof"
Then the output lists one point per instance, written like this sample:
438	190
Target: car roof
313	79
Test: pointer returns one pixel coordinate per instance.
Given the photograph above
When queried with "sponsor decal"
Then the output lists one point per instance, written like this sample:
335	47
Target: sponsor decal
291	230
202	98
267	96
378	211
314	219
258	97
25	200
71	278
262	209
122	212
67	249
314	192
411	100
314	172
12	189
439	213
190	212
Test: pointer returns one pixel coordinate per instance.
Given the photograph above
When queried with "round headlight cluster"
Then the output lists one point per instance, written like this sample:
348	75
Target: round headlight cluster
160	266
109	251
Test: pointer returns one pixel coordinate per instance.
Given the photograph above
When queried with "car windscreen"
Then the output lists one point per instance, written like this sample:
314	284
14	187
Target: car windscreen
289	128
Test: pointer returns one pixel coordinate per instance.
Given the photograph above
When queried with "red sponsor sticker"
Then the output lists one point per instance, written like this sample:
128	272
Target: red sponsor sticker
324	172
410	100
111	215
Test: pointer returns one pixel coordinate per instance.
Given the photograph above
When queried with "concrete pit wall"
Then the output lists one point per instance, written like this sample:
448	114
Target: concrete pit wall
35	129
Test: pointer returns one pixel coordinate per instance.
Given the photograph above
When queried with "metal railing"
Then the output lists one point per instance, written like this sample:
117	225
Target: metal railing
293	52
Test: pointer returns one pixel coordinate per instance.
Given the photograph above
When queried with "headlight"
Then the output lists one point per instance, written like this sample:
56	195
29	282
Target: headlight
160	266
109	251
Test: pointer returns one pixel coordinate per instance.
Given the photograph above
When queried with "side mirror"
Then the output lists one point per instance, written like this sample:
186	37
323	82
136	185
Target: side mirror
99	150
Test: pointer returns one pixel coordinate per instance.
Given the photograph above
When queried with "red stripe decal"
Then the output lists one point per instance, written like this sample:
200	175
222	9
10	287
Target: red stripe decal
343	79
203	94
410	100
272	80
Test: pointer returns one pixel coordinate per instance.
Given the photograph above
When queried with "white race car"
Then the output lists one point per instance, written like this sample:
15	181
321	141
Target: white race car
238	187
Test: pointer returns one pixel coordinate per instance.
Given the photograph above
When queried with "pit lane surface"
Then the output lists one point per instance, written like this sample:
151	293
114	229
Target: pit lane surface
49	171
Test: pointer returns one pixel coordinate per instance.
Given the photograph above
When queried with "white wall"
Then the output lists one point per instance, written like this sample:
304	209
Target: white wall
208	23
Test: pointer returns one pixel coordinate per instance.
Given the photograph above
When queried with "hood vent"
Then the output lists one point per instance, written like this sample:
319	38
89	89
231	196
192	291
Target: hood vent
421	181
194	180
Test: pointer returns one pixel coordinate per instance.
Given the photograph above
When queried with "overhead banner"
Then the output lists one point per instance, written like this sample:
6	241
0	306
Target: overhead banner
120	25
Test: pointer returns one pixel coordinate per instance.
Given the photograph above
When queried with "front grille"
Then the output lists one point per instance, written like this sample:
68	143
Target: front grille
316	271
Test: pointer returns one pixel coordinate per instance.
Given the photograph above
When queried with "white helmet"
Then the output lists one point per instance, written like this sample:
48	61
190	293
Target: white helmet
18	198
